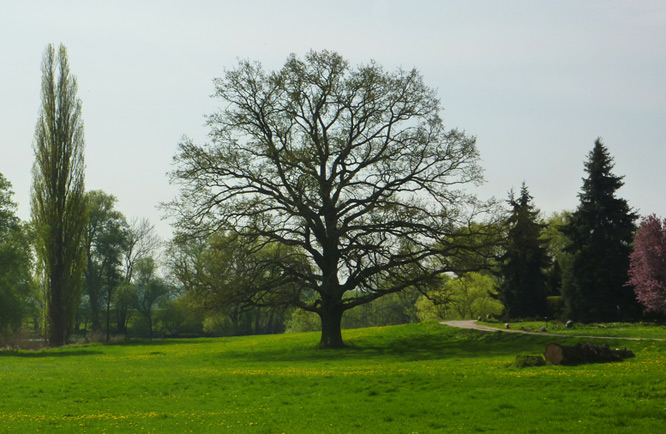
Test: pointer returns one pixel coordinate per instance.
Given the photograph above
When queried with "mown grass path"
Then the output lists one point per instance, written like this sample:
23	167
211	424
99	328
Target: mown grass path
420	378
474	325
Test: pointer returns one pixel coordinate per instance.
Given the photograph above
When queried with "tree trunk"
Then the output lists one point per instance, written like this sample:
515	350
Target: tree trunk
94	310
108	319
331	328
56	328
257	321
270	328
56	334
584	353
121	318
150	326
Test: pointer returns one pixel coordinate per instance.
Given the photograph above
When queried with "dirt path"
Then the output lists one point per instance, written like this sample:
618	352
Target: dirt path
472	324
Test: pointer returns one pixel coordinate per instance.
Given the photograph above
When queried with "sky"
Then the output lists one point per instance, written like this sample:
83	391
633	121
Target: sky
536	82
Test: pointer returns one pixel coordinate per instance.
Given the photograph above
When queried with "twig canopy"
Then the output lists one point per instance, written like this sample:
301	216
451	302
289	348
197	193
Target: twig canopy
350	168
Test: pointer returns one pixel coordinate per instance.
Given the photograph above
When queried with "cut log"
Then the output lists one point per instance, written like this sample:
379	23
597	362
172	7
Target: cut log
584	353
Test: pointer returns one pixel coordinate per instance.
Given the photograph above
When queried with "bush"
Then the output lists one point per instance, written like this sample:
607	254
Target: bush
302	321
555	307
218	325
523	361
178	317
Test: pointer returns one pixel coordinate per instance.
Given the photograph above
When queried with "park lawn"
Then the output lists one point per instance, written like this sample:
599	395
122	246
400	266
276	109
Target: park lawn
419	378
617	329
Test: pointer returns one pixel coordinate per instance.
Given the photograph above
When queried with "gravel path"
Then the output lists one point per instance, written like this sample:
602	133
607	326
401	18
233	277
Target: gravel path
472	324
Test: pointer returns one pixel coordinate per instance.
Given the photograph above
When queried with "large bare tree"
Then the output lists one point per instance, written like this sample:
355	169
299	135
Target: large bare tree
59	208
349	167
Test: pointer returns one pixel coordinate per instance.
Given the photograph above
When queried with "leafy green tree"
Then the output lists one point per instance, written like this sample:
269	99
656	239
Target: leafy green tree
601	231
522	268
139	242
123	299
556	242
470	296
16	261
352	166
236	280
180	316
300	321
59	209
396	308
105	241
150	290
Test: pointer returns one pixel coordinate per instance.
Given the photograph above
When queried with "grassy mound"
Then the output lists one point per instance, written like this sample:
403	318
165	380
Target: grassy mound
421	378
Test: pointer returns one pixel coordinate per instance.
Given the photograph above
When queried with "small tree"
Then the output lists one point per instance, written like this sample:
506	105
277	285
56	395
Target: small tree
224	276
105	239
139	242
351	166
150	291
600	231
467	297
59	208
556	242
647	271
522	288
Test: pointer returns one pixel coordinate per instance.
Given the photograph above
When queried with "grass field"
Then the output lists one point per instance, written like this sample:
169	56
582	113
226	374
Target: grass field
421	378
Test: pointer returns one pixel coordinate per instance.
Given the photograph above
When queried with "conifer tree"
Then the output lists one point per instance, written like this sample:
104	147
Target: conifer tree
59	209
522	274
601	231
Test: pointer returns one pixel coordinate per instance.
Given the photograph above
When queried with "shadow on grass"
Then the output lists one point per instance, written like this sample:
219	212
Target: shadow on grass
157	342
407	343
48	353
414	342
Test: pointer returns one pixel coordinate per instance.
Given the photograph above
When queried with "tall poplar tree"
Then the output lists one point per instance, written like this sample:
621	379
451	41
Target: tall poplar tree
522	287
601	231
59	209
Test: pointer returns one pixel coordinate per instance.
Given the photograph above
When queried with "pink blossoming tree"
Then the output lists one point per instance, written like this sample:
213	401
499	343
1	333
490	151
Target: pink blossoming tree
647	272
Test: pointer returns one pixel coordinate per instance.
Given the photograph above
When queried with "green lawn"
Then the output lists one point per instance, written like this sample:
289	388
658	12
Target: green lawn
422	378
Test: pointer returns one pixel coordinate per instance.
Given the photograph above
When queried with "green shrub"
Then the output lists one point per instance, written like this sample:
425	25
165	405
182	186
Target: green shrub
526	361
302	321
178	317
555	307
218	325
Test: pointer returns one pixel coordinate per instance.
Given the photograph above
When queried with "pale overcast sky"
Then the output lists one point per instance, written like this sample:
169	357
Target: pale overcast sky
535	81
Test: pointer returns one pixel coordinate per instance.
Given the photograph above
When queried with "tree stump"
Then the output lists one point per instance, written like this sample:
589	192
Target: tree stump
584	353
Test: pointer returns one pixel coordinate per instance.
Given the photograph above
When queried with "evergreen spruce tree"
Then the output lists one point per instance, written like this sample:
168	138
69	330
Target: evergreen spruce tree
522	273
601	231
59	209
